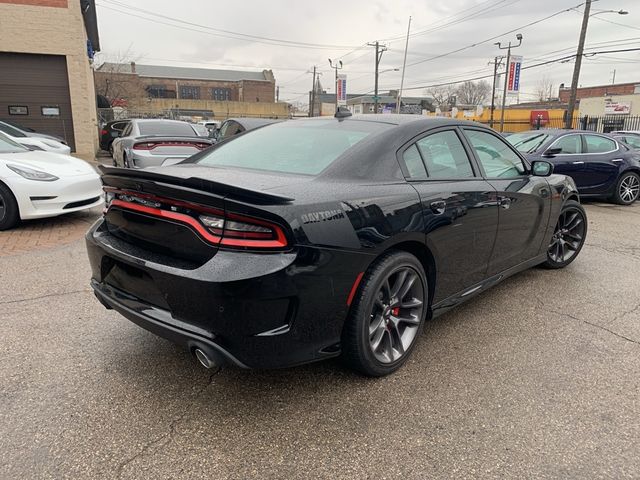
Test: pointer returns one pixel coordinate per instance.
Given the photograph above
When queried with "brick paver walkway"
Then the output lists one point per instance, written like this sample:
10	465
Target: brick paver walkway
35	235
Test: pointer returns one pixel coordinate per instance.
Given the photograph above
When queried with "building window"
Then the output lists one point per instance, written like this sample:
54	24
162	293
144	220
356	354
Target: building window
221	94
160	91
189	93
50	111
18	110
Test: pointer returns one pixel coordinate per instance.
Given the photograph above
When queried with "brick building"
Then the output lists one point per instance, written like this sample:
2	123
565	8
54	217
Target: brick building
133	81
599	91
46	79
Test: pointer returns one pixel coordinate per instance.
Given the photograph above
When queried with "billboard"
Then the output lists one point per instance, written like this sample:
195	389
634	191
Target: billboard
341	89
513	74
612	107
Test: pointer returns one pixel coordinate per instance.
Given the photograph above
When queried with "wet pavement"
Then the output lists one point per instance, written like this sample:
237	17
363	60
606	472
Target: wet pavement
538	377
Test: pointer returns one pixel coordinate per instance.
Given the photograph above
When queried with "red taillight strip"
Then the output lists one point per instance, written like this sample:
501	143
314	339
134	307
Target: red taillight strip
179	217
279	242
354	289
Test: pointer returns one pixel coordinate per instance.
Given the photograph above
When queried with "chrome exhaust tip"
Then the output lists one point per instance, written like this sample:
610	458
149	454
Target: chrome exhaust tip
204	359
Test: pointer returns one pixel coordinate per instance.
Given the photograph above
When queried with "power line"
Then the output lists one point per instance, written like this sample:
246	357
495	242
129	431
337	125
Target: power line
217	31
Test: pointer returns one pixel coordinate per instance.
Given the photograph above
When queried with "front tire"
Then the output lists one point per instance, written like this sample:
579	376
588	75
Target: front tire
387	315
9	211
568	237
627	188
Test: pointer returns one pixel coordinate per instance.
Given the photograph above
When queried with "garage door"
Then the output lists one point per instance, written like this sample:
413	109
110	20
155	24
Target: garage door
34	92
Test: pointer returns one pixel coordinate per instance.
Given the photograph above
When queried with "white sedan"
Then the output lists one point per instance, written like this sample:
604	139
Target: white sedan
34	141
42	184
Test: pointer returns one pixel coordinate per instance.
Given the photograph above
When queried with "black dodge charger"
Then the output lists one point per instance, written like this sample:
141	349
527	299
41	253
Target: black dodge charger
318	238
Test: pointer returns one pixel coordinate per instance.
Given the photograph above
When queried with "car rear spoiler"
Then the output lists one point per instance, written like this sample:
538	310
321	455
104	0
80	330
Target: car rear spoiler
111	175
170	138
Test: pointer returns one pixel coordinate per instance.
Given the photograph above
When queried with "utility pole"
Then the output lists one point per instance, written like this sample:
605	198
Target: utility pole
312	105
497	63
506	76
404	66
336	67
277	93
380	49
576	66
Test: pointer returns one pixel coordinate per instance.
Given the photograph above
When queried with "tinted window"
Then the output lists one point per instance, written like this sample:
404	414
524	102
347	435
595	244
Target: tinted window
632	141
598	144
495	155
569	144
119	126
9	146
413	162
292	147
527	142
127	130
166	128
444	156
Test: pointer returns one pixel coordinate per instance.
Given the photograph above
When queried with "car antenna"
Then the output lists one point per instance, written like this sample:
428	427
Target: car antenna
343	112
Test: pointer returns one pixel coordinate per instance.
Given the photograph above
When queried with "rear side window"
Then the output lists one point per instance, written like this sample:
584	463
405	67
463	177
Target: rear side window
166	128
598	144
291	147
495	155
9	130
444	156
413	162
569	144
632	141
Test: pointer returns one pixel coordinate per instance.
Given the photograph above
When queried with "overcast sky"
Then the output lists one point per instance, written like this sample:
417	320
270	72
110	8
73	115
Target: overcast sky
203	33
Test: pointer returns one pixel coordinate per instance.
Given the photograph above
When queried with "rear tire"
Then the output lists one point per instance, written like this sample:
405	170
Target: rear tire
9	212
387	315
568	237
627	189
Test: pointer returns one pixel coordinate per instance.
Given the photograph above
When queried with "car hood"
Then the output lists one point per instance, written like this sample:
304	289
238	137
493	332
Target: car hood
54	163
44	136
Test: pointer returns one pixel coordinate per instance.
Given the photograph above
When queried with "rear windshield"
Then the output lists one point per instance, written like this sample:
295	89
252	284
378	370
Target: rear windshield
305	147
528	142
166	128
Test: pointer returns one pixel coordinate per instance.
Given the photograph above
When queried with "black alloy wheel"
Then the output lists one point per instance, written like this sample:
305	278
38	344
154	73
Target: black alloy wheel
387	315
627	188
9	214
568	237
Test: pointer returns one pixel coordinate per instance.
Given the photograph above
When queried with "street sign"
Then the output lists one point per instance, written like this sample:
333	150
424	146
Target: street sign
341	88
513	77
375	98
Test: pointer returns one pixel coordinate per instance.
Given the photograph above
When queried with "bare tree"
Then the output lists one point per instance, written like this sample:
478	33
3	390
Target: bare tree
114	78
545	89
443	96
473	93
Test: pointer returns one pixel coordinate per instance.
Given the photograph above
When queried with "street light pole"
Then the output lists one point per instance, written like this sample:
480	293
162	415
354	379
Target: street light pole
336	67
506	76
578	63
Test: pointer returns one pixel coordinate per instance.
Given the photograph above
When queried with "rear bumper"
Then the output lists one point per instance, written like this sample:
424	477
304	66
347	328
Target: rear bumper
252	310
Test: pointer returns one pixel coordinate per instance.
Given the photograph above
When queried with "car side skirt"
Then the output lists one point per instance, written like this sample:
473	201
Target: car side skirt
470	292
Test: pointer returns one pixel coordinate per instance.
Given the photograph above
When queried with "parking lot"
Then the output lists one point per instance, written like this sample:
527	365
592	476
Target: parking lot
537	378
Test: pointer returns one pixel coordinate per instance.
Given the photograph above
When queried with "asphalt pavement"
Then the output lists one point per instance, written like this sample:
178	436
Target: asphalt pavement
537	378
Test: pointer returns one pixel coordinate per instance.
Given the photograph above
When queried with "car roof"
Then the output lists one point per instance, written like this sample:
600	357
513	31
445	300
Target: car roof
254	122
157	120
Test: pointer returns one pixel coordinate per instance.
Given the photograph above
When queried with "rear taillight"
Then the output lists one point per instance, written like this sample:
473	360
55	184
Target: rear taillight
103	132
215	226
152	145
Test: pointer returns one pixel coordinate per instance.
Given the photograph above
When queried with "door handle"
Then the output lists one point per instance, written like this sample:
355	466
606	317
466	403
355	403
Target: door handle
438	207
578	163
618	160
504	202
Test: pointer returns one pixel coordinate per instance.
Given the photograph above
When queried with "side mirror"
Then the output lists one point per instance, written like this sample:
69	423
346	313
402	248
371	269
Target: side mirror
552	152
540	168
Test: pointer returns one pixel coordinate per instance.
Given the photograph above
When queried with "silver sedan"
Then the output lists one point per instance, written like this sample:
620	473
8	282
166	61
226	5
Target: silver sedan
154	142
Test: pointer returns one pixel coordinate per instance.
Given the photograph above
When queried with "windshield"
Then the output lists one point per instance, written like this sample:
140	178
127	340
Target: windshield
305	147
9	146
173	129
528	142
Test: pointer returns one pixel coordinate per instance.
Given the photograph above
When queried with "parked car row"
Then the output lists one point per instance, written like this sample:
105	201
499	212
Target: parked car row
38	184
602	165
33	140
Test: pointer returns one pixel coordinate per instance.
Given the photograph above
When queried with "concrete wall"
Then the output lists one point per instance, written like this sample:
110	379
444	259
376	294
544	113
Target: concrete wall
595	106
56	27
221	110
